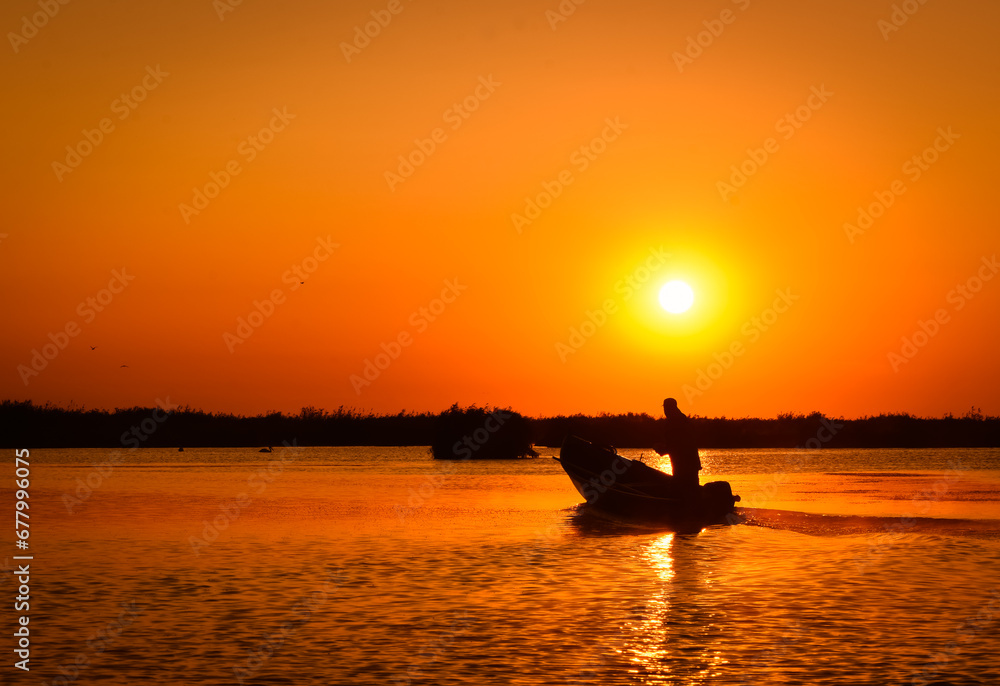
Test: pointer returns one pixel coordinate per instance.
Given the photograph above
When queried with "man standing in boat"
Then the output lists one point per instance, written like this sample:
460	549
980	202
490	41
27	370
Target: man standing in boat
680	445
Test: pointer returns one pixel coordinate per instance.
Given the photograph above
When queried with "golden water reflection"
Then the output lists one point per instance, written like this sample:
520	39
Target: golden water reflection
495	578
677	633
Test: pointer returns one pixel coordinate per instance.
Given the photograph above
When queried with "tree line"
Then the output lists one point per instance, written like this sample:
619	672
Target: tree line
48	426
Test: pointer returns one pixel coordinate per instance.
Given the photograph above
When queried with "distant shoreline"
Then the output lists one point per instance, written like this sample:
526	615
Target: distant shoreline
47	426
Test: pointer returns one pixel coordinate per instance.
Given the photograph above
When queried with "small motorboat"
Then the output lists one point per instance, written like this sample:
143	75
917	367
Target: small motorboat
621	487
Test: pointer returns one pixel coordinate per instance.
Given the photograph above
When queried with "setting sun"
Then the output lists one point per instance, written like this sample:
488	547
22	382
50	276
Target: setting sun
676	297
304	208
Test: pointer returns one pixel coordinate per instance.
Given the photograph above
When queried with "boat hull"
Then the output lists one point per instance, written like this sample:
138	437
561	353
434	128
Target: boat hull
616	485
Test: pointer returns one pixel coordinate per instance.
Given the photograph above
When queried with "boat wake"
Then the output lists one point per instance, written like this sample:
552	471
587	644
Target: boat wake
845	525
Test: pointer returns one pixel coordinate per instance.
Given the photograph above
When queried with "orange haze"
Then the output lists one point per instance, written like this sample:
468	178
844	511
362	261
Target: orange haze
483	199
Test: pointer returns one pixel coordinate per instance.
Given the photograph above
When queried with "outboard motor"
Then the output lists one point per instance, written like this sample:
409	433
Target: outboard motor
720	494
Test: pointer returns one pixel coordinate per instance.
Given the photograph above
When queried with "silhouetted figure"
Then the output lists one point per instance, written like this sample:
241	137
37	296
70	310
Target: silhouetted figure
680	445
268	449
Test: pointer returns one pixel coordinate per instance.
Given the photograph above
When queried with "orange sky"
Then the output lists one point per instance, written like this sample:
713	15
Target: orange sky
617	110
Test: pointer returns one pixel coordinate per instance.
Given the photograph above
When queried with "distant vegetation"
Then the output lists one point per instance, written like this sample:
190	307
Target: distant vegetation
814	430
481	433
26	425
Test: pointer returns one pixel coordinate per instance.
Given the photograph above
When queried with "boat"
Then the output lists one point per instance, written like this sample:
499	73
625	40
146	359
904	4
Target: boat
616	485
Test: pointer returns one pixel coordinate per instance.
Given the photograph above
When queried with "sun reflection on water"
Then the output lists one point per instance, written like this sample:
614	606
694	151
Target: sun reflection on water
660	555
674	628
647	631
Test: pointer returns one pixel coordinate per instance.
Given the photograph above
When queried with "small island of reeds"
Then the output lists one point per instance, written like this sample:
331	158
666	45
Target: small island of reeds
481	433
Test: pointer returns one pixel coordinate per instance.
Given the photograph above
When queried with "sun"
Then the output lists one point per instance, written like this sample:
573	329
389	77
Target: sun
676	297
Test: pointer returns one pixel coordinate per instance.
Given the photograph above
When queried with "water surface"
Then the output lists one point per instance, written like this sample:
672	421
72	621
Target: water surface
379	565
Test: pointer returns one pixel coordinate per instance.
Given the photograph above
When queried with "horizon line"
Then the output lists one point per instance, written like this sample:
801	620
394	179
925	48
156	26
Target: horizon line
973	413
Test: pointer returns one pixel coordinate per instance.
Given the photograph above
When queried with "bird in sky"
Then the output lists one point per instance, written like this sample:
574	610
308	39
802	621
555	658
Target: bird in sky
93	347
124	365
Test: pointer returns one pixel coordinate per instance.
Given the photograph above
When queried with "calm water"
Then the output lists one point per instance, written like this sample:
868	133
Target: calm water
381	566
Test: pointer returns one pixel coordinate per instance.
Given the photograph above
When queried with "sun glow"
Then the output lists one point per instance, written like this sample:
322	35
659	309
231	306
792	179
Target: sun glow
676	297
